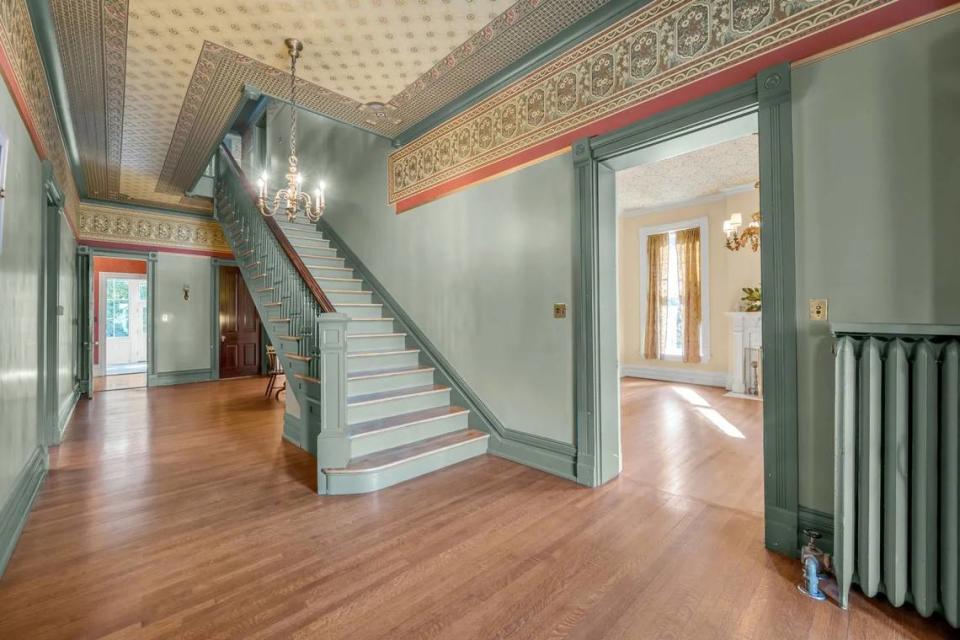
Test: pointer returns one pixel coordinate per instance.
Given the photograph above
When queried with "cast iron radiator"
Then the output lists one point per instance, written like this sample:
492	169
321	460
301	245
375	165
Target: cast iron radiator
897	430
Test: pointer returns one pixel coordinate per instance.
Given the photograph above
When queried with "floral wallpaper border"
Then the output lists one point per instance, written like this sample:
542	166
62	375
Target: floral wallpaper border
661	47
113	224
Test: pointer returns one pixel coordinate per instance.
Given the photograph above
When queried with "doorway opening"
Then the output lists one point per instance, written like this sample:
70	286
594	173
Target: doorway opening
689	316
239	325
121	323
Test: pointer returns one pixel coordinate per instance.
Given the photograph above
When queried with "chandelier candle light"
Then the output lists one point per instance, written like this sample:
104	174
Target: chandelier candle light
293	200
737	239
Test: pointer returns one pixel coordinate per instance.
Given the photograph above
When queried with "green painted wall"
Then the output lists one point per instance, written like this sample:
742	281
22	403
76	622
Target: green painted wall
67	321
478	270
877	161
20	256
182	327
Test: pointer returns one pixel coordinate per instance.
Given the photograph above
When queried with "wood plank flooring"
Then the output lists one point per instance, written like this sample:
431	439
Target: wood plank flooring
178	512
117	381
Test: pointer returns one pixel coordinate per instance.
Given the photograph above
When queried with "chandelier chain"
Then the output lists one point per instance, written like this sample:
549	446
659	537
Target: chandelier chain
293	105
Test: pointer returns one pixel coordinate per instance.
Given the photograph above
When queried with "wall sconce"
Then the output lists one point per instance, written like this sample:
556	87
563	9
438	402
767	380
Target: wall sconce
736	239
186	292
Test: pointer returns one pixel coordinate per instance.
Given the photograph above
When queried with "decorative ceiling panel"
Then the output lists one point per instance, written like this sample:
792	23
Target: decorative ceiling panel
152	83
704	172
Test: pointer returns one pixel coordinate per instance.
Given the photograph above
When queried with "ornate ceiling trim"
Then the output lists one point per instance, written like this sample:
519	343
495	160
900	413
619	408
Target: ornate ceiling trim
103	224
22	68
92	38
217	89
660	48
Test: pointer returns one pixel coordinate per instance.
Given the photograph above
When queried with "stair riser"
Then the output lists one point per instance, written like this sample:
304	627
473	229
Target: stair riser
408	434
374	326
396	406
389	383
349	285
303	234
326	272
326	262
378	363
349	483
380	343
359	297
324	253
303	245
373	311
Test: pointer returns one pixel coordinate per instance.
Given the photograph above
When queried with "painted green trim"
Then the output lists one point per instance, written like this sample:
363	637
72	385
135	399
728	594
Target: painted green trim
48	327
167	378
45	34
13	514
595	295
293	431
546	454
66	412
585	28
84	346
893	329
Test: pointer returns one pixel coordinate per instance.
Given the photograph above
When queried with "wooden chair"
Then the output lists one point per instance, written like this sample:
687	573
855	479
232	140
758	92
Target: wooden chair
274	370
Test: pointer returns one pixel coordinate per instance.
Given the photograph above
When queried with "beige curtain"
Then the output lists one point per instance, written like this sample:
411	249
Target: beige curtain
658	262
688	266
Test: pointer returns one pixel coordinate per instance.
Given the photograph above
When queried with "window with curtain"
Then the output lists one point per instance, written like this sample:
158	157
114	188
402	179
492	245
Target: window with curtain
118	308
673	319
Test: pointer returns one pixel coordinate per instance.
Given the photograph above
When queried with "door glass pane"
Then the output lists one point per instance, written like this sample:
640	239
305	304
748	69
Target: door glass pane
143	297
118	308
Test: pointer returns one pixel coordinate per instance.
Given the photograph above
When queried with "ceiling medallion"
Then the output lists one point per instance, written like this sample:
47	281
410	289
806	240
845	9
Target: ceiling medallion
380	112
292	199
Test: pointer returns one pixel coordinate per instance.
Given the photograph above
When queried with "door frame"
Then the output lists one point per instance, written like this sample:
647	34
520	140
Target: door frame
597	382
48	330
86	344
101	311
215	264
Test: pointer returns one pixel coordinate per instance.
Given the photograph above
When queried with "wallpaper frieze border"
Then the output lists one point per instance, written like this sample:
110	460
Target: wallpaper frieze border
101	223
661	47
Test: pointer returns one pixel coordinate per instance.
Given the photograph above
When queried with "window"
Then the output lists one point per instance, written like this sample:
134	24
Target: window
143	296
118	308
674	284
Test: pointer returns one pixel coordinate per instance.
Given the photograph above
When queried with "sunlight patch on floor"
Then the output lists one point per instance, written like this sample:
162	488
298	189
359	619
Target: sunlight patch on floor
712	416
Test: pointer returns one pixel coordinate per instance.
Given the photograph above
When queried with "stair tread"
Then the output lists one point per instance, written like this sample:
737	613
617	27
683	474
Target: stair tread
390	334
393	394
369	320
402	419
397	455
353	291
384	373
329	268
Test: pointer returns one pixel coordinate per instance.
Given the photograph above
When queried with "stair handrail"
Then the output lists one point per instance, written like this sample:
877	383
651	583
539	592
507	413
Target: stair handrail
312	285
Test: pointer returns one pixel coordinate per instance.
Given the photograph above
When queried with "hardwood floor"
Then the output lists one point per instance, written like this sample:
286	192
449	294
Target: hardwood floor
177	512
693	441
114	382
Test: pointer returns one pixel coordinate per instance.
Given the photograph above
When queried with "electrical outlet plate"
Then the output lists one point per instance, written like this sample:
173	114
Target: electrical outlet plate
559	310
818	308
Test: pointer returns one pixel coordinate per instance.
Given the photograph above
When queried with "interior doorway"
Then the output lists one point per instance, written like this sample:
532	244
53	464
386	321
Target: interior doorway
689	317
121	323
239	344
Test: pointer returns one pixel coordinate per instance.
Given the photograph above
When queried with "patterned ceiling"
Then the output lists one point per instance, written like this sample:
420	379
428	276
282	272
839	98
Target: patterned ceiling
152	83
704	172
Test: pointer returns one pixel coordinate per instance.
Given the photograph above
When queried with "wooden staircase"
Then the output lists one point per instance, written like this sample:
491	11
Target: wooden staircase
370	411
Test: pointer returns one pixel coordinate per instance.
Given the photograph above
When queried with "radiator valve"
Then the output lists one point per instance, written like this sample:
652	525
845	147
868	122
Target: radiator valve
813	560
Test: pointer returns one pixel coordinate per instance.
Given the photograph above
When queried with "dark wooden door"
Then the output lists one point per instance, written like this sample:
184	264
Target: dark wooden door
239	327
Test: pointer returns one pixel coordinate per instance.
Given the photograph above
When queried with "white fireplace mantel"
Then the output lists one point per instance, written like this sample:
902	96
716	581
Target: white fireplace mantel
745	334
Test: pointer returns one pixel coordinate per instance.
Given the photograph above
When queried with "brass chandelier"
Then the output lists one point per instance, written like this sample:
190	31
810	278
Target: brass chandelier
736	239
292	199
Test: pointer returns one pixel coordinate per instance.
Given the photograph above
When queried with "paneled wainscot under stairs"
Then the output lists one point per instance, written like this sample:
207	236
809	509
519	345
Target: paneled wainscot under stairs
370	410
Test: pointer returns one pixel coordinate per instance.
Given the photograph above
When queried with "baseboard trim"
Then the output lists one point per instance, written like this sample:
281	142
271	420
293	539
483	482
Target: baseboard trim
552	456
818	521
780	530
667	374
66	412
168	378
13	515
293	430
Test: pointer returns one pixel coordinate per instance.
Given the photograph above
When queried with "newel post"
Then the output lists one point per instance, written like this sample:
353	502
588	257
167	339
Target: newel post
333	444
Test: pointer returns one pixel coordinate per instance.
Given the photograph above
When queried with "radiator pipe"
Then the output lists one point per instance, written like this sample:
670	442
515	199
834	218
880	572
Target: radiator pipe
812	560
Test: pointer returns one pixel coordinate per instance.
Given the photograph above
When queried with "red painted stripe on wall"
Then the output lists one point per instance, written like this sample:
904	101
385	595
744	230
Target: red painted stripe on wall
859	27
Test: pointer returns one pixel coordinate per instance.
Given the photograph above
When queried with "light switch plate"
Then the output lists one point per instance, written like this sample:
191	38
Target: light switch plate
559	310
818	308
